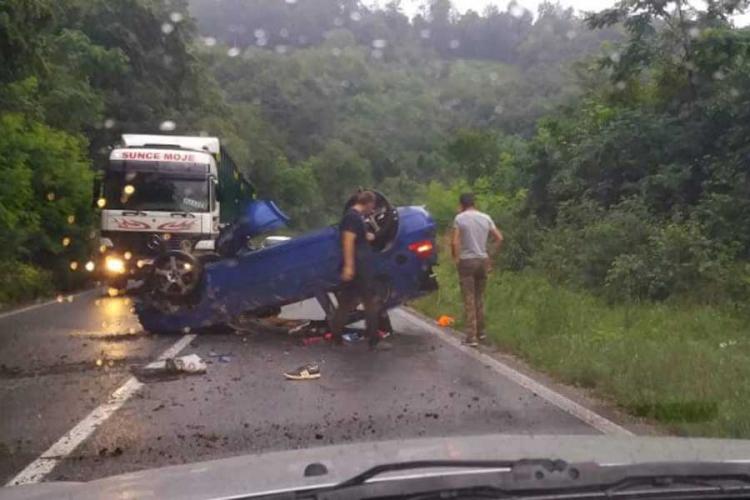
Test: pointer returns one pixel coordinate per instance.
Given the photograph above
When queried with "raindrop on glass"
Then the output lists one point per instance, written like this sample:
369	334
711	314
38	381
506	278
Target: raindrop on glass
128	189
694	32
614	57
571	34
51	196
233	52
101	203
65	241
355	16
280	49
261	42
338	22
167	126
73	265
209	41
425	33
259	33
454	44
89	266
379	43
620	85
499	109
336	52
718	75
284	33
109	123
734	92
167	28
71	219
291	2
175	17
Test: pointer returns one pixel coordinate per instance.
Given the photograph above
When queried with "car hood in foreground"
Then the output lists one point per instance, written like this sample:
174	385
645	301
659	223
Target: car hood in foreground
284	470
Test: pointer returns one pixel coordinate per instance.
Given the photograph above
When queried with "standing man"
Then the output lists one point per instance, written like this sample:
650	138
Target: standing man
357	273
471	230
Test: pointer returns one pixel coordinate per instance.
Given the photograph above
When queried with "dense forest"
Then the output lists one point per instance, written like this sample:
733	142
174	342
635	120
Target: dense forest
610	146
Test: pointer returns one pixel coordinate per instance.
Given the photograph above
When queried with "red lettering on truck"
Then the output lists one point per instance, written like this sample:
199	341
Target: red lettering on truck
159	156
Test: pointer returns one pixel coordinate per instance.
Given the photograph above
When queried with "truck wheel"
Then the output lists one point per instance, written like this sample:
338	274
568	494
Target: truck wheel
175	274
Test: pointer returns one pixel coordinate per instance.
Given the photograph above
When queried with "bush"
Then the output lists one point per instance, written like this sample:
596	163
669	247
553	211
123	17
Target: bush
582	247
20	282
680	260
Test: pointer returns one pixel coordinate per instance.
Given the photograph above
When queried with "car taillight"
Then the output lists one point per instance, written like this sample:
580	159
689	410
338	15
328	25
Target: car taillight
423	249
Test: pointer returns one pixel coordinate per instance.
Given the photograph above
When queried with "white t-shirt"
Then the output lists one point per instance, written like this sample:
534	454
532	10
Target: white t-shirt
473	229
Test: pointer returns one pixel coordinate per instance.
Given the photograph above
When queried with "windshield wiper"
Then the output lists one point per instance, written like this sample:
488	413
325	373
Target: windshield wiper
432	464
544	479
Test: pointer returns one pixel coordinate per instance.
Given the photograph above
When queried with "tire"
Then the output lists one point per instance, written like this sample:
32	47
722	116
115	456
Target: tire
175	276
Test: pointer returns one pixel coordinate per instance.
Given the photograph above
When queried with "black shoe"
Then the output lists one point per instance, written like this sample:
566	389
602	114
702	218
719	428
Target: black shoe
307	372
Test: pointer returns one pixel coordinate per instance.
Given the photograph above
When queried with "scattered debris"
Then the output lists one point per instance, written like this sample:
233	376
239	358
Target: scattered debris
299	328
317	339
445	320
191	363
352	337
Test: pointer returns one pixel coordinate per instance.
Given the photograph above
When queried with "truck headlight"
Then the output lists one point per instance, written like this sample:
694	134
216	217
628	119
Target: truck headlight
114	265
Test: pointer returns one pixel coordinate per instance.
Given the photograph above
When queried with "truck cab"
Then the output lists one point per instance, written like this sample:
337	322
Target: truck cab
161	193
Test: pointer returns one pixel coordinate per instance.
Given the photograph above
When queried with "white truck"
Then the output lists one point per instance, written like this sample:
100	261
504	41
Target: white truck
164	192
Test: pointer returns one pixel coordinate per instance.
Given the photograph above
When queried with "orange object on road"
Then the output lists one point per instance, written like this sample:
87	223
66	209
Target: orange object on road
446	320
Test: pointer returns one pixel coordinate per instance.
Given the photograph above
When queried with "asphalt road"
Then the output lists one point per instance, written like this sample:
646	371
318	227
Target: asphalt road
60	361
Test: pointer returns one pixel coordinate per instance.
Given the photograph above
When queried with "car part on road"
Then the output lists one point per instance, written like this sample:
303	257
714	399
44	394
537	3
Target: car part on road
190	363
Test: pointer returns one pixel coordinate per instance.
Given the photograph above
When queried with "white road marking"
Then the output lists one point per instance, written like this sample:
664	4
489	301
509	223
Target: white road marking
42	304
39	468
567	405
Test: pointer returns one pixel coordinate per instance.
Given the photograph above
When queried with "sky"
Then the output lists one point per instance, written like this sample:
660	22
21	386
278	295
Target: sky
411	7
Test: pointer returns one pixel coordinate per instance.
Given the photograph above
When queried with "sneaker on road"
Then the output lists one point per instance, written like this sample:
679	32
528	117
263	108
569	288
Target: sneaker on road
482	336
470	343
307	372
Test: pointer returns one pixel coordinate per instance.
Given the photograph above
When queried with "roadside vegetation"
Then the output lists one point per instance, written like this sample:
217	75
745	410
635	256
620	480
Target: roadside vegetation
683	365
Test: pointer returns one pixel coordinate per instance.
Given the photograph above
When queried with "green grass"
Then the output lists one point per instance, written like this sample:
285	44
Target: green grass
685	366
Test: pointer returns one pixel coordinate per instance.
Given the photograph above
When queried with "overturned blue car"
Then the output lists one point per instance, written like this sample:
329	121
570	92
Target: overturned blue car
184	291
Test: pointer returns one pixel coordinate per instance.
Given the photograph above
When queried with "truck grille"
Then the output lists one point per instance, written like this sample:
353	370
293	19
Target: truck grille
138	243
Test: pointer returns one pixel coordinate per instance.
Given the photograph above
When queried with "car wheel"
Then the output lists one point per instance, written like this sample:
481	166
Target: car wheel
175	275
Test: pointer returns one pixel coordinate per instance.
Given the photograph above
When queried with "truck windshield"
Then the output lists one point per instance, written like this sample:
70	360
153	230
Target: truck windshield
155	191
